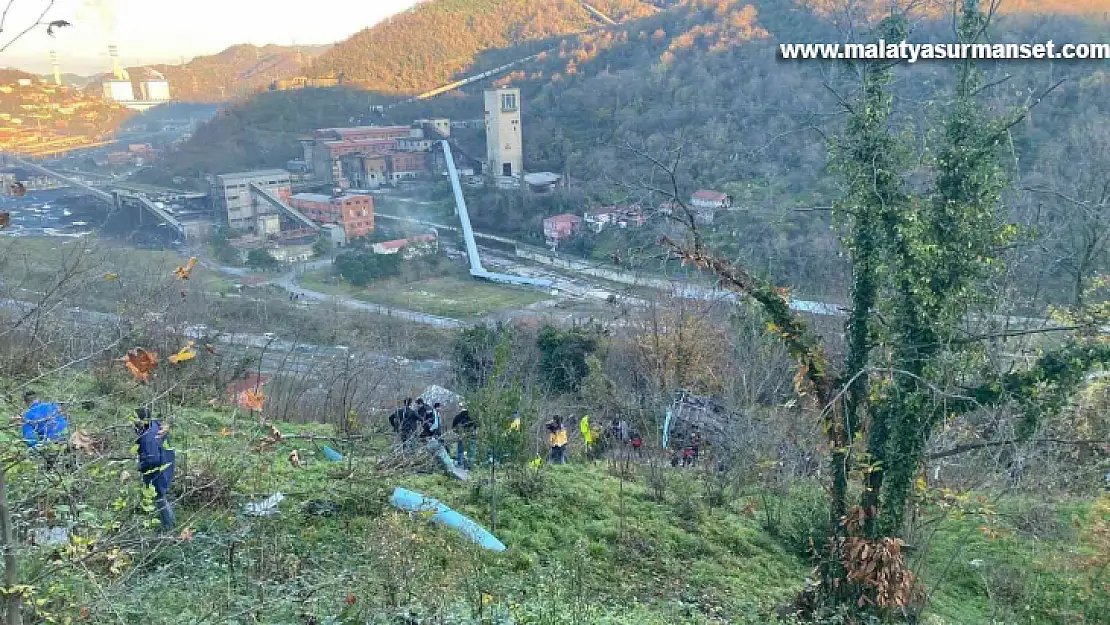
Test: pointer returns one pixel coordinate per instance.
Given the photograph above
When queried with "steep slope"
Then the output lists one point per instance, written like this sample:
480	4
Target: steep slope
237	71
427	46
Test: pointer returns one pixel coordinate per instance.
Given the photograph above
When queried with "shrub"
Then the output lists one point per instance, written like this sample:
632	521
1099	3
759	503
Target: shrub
803	520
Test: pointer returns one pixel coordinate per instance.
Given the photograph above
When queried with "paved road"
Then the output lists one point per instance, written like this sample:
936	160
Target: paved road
288	281
279	355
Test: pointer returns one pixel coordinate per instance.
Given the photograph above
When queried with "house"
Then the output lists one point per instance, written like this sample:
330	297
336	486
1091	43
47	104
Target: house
288	254
633	217
706	204
710	200
411	247
560	227
597	218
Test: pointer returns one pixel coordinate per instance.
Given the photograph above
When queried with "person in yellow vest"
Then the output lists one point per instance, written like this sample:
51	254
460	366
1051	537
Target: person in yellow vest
557	438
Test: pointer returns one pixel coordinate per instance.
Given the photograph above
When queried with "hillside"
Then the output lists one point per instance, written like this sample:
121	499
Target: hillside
428	45
702	74
10	75
583	547
237	71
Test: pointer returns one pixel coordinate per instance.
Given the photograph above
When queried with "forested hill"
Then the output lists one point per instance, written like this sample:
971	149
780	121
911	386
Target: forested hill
237	71
428	45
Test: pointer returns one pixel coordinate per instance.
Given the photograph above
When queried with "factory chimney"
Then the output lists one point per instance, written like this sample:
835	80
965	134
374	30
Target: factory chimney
56	67
113	52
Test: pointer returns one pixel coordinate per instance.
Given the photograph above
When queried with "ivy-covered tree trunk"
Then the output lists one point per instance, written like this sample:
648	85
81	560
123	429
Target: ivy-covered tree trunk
13	610
942	249
869	160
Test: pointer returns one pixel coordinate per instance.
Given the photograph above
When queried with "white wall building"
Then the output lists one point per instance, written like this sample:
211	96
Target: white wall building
504	141
232	195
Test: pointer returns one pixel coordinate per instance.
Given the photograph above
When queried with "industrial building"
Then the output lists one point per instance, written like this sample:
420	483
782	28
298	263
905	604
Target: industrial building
118	87
366	157
504	142
246	212
117	84
353	213
154	87
440	125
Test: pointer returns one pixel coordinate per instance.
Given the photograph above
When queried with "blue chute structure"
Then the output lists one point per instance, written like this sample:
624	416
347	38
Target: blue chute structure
667	430
476	268
411	501
331	454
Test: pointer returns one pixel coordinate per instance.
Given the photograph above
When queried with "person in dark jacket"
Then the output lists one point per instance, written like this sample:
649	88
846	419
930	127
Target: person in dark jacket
156	462
466	446
397	417
424	415
410	422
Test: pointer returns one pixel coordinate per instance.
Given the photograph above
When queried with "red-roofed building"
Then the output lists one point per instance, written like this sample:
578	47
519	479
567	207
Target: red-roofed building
706	204
713	200
411	247
560	227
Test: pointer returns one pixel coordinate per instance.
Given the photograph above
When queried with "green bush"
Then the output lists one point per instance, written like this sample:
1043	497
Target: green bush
803	520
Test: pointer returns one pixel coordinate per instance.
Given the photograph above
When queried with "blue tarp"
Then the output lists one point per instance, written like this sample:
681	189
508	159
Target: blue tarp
44	423
411	501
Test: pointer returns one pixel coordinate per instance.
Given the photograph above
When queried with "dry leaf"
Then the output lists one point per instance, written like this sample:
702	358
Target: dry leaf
183	272
186	353
187	534
252	400
224	431
140	363
111	277
211	350
83	443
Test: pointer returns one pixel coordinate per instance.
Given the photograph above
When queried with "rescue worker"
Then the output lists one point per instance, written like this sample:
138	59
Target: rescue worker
557	438
466	430
156	462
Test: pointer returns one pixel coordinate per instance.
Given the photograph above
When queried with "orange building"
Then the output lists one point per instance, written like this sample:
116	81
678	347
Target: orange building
355	213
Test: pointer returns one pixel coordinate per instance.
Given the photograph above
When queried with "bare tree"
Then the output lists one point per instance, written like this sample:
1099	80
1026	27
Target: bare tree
41	9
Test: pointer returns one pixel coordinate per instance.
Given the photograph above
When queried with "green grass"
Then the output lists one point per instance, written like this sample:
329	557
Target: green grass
578	552
446	296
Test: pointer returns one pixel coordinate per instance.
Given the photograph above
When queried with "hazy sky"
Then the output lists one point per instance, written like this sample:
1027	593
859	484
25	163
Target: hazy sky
149	31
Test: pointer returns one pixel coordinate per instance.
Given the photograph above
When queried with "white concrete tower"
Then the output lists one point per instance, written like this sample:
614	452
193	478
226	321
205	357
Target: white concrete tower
504	142
55	67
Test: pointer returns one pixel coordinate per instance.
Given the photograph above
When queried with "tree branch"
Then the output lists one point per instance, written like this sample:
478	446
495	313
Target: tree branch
38	22
964	448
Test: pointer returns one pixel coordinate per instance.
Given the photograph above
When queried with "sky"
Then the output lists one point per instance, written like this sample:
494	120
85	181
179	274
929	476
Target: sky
165	31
